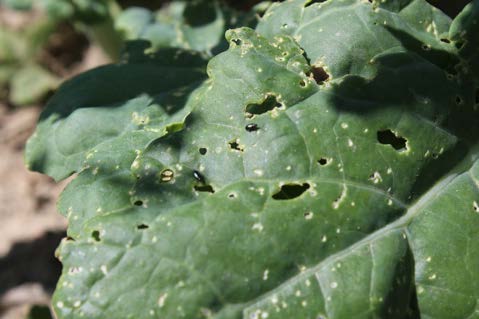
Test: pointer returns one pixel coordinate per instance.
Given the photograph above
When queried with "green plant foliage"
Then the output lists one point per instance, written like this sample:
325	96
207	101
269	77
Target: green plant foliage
196	25
19	65
86	10
326	167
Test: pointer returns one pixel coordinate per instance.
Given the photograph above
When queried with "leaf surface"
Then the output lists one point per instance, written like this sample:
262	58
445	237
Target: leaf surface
280	192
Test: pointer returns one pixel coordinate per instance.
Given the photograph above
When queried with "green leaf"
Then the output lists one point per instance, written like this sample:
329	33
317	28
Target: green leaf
312	175
30	84
102	106
464	31
18	4
195	25
371	30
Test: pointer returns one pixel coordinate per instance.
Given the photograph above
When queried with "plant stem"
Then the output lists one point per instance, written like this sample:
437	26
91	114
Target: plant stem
104	33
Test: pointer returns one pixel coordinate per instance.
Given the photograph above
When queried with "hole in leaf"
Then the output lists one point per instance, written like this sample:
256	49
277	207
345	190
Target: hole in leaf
308	215
204	189
445	40
290	191
267	105
251	127
477	96
96	235
388	137
231	195
70	238
237	41
234	145
312	2
138	203
302	83
203	150
323	161
459	100
142	227
319	74
426	47
475	206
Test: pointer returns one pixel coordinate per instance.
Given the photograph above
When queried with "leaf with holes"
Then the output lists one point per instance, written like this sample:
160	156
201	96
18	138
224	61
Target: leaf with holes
328	167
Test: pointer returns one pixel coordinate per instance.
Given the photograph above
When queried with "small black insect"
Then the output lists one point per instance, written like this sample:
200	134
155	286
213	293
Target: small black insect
197	175
251	127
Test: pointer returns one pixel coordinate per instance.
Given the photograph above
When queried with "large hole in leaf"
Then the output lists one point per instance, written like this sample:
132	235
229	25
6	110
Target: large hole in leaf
319	74
204	189
290	191
267	105
388	137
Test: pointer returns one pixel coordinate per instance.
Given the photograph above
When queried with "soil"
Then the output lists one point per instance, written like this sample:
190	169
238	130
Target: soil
27	213
30	225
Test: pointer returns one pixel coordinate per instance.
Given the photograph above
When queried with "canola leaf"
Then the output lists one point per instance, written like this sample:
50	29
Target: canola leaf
105	105
342	188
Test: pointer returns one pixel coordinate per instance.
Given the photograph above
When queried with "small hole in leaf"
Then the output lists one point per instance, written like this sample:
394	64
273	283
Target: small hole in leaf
477	96
142	227
426	47
251	127
302	83
459	100
323	161
203	150
96	235
475	206
234	145
267	105
138	203
204	188
319	74
231	195
388	137
284	26
445	40
290	191
237	41
308	215
70	238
